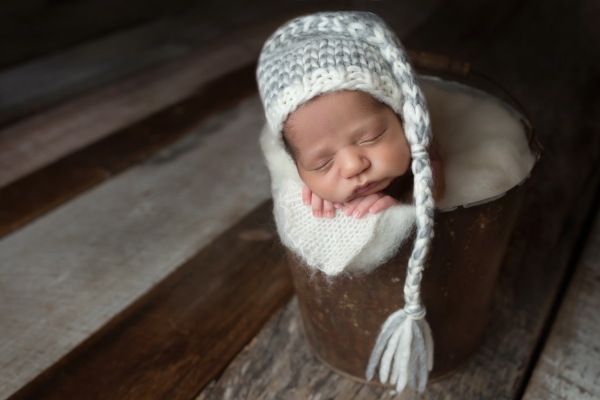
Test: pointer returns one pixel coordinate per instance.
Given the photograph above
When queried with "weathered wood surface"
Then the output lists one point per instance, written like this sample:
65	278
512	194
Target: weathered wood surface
279	364
171	342
46	137
30	28
569	367
547	56
36	84
35	194
63	276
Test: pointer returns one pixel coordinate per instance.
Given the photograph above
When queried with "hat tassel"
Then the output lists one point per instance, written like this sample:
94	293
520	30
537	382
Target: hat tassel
404	352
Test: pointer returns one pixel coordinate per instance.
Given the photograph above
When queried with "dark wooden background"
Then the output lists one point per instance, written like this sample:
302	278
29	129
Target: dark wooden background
546	53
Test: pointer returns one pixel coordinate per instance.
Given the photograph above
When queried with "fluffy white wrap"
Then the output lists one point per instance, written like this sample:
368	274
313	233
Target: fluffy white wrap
343	243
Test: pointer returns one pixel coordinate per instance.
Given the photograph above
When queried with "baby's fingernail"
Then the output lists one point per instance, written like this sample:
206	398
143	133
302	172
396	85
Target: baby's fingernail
329	214
373	210
316	213
338	205
356	213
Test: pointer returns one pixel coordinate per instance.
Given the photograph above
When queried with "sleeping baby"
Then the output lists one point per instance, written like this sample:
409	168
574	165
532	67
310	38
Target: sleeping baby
348	130
351	152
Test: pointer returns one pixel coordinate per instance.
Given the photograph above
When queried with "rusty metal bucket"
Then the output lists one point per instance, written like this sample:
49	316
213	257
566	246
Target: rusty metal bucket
342	319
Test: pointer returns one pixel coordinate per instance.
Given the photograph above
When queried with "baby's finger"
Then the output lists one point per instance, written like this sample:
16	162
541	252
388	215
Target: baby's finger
364	205
351	205
328	209
382	204
338	205
306	195
317	206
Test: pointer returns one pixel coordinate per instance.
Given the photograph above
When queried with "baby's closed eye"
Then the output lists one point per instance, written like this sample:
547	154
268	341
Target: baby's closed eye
323	165
373	138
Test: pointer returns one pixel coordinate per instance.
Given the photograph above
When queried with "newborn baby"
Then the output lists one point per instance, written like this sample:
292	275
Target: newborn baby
340	96
351	153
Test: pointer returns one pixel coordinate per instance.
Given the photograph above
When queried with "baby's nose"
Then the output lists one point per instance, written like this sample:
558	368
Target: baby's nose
353	163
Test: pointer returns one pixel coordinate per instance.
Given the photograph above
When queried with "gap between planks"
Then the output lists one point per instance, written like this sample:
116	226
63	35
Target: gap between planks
71	270
42	190
44	138
173	340
39	83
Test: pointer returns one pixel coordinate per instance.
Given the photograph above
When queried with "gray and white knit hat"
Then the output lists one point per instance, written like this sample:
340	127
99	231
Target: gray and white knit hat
333	51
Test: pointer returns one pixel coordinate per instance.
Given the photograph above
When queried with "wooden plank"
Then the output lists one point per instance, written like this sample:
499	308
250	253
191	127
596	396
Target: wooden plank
30	197
39	83
32	28
46	137
509	41
171	342
279	364
569	367
63	276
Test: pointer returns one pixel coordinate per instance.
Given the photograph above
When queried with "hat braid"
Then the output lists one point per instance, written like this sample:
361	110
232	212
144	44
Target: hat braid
406	337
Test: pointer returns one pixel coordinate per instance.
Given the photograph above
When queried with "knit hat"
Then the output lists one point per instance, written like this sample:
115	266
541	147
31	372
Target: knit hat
333	51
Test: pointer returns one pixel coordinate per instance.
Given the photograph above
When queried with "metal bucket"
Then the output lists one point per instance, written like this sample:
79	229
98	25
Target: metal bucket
342	319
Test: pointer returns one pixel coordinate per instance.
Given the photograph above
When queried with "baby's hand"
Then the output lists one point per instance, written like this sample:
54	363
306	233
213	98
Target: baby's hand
319	206
358	207
372	203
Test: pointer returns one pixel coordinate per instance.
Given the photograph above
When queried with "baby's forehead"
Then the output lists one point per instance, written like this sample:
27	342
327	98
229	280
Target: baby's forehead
353	110
361	100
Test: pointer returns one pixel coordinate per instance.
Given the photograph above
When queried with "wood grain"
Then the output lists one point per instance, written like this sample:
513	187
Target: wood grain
50	135
66	274
279	364
569	367
176	29
171	342
30	29
519	44
30	197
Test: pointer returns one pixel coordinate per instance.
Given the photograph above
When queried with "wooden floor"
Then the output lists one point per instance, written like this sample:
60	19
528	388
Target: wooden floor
569	366
161	276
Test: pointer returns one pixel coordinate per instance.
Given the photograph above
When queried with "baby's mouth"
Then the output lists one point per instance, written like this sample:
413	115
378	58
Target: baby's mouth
365	187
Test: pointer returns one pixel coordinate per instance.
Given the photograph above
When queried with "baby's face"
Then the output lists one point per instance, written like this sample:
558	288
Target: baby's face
347	145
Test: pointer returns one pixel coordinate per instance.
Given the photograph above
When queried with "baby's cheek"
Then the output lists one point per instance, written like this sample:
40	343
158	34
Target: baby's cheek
396	160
